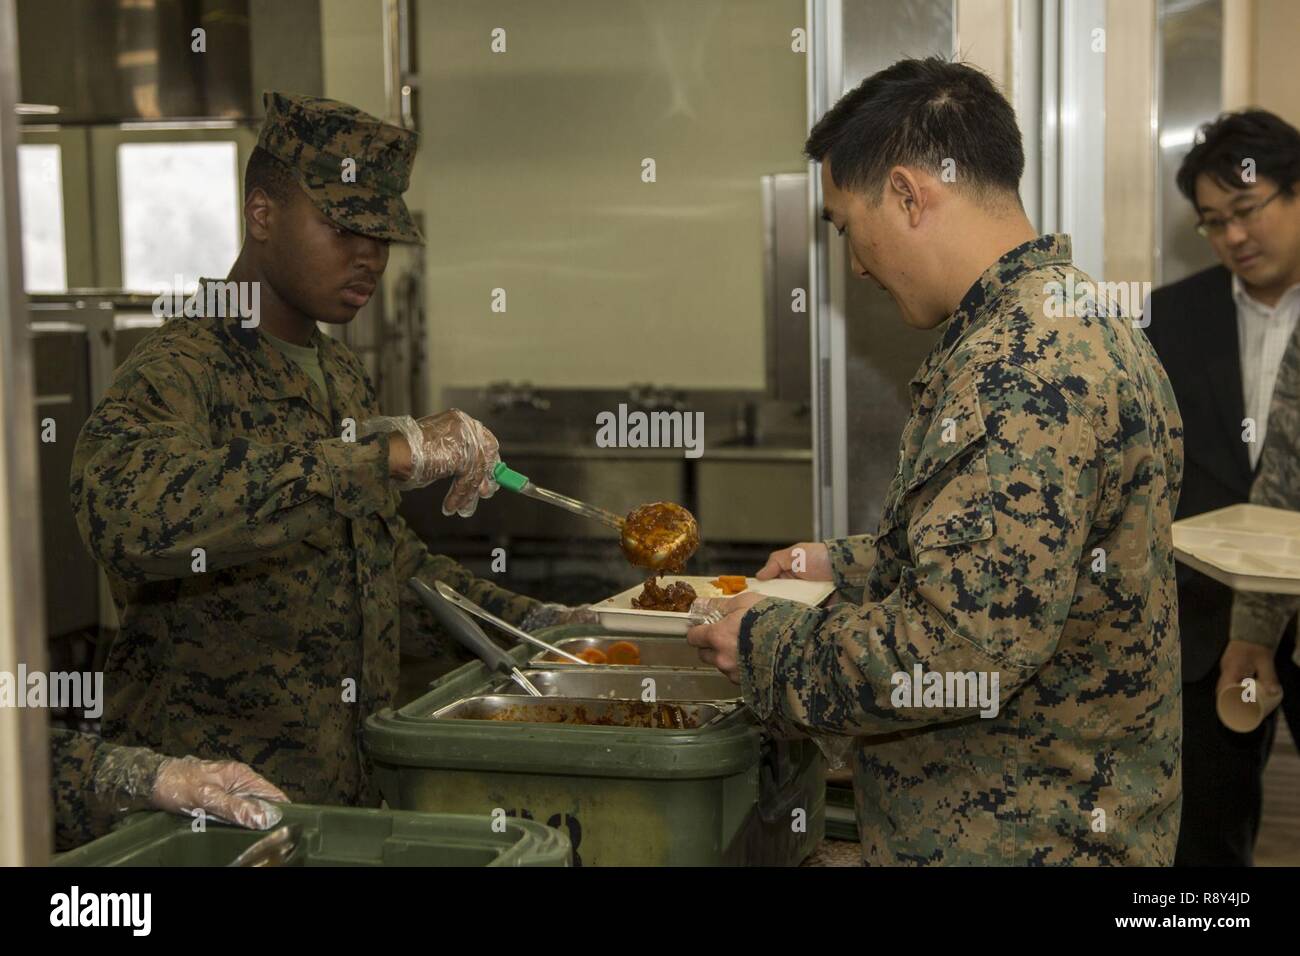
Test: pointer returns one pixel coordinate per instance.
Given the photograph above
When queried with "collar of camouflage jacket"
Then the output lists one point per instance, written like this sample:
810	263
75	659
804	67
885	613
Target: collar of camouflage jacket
279	377
981	300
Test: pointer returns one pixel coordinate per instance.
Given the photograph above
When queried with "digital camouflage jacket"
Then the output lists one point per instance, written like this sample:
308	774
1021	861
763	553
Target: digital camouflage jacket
1026	535
256	557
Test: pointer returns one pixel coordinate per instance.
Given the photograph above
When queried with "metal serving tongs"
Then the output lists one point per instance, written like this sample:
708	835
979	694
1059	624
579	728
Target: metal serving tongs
450	594
458	624
659	536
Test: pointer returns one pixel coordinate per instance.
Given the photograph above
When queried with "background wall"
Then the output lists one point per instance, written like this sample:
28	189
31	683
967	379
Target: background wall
1129	203
1276	30
530	178
352	52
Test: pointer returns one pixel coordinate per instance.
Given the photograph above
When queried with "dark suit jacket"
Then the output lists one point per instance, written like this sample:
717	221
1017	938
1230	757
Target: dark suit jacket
1194	331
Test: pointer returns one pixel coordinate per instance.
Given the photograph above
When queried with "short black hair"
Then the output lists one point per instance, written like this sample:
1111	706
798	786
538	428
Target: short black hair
1224	145
920	113
268	174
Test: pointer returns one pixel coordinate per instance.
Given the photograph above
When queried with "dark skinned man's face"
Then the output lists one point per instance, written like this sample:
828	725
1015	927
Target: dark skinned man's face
322	270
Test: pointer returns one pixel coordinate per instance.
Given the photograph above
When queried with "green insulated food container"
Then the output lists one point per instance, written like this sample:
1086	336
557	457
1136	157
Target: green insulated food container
717	791
333	836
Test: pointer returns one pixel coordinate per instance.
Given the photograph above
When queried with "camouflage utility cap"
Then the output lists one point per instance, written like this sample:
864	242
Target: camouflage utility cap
315	137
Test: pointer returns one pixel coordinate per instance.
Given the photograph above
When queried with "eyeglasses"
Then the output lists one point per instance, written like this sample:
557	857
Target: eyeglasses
1216	226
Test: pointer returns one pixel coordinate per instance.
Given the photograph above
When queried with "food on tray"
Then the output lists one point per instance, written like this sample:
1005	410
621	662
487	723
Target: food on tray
660	536
730	583
593	655
619	713
624	652
678	596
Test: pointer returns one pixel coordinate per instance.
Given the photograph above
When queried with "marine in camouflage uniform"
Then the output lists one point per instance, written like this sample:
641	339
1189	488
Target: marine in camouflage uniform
1036	449
210	439
94	783
1263	618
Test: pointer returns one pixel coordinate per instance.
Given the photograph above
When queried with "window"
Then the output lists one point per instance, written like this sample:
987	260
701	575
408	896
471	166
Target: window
40	205
179	207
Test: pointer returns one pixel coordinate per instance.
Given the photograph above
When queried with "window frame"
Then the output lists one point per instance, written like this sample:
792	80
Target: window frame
74	170
107	218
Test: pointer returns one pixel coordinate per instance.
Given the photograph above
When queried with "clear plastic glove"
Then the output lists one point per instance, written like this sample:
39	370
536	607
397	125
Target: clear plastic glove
706	612
135	778
451	444
555	615
223	789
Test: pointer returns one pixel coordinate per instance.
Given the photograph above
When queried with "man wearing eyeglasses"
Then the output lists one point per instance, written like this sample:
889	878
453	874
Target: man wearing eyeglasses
1222	335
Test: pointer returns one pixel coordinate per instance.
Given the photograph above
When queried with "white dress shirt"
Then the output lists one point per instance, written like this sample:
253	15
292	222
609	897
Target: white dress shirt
1263	334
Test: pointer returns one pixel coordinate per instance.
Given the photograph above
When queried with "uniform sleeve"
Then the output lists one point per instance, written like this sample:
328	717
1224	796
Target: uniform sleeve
85	804
421	634
1263	618
149	485
852	560
1000	498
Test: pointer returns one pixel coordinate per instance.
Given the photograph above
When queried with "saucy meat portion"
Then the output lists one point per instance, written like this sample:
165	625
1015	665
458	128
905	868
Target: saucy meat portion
660	536
678	596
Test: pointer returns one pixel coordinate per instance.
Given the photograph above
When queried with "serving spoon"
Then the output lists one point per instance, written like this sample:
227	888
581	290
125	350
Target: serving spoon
660	536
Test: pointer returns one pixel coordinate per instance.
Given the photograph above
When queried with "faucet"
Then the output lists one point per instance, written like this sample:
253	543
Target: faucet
654	398
503	396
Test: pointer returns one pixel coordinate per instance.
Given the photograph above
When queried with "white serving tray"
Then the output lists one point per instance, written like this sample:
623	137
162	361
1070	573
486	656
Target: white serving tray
1247	547
618	614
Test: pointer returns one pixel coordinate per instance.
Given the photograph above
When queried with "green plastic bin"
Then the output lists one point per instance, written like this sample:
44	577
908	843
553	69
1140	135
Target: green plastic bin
725	793
332	836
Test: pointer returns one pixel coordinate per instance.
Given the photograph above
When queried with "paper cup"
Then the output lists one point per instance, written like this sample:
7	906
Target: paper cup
1241	715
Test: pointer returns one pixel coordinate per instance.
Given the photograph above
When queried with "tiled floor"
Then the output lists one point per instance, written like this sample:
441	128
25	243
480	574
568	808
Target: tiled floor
836	853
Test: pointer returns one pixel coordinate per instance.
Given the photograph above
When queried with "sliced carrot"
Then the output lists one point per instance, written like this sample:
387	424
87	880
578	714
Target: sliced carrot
731	583
593	656
624	652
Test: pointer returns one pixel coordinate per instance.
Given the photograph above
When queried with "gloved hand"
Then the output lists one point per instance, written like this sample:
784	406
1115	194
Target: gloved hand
449	444
229	791
135	778
553	615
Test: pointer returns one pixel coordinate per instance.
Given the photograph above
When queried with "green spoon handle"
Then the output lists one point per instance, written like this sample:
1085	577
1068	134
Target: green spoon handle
512	480
508	478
